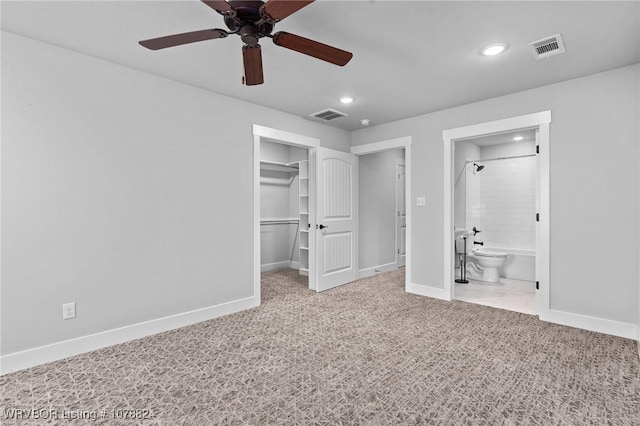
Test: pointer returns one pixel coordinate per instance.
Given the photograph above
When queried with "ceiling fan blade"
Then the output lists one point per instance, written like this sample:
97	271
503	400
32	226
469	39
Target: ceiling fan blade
183	38
277	10
219	5
312	48
252	57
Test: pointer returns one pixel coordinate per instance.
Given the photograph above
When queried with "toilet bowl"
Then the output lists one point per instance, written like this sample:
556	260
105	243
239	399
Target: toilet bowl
489	262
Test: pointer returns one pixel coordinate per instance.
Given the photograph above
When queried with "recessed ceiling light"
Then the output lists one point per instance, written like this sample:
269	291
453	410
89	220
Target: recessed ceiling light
494	49
518	138
346	99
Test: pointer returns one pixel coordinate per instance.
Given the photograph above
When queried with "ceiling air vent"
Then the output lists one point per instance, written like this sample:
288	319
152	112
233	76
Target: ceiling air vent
328	114
547	47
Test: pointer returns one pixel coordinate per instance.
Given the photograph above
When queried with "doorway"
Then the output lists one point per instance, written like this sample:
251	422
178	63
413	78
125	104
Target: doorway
539	123
400	240
326	203
284	162
495	203
381	212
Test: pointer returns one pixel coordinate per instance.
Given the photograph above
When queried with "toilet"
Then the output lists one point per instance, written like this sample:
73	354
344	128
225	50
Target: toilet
489	261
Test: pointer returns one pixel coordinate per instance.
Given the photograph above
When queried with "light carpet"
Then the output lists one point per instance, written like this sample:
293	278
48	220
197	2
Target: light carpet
366	353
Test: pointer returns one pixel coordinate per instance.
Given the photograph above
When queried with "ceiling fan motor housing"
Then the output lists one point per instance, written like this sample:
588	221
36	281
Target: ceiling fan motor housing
248	21
249	34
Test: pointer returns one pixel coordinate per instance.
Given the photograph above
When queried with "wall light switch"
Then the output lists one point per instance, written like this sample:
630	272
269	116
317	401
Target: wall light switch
421	201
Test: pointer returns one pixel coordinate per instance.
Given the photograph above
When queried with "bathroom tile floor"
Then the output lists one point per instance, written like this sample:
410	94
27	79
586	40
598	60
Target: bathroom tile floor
512	295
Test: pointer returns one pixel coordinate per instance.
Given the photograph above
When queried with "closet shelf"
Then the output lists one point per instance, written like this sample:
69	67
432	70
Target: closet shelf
279	167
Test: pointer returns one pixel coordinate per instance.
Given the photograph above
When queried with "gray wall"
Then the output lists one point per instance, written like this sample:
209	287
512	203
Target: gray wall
464	151
377	207
594	187
127	193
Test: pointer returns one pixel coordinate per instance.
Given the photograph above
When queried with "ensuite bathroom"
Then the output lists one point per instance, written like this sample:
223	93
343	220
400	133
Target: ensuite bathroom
495	199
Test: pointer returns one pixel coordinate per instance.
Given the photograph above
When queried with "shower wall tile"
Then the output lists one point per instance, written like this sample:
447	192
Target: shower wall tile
501	202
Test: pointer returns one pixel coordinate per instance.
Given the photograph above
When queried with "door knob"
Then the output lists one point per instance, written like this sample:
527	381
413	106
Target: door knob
323	226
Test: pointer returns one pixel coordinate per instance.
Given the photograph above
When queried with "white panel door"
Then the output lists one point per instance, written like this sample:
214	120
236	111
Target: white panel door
336	206
401	217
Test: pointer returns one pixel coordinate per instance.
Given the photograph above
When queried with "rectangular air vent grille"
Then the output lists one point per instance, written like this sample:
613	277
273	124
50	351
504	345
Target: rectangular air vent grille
548	46
328	114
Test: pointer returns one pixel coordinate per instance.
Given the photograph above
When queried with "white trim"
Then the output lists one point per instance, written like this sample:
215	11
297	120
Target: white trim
428	291
279	136
387	145
279	265
599	325
397	216
312	268
538	120
498	126
256	215
287	137
59	350
367	272
409	219
543	234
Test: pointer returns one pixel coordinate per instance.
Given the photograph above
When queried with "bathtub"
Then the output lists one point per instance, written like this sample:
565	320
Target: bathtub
520	264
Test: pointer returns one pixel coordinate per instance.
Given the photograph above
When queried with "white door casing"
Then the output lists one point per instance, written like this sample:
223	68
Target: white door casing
287	138
539	121
336	213
401	216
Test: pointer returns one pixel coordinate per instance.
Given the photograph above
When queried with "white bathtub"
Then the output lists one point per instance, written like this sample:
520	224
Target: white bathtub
520	264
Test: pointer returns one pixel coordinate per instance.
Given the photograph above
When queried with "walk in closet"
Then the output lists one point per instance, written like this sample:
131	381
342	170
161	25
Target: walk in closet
284	207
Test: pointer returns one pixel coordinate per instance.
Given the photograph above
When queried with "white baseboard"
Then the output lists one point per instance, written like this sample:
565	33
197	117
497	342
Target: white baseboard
423	290
294	265
59	350
600	325
278	265
367	272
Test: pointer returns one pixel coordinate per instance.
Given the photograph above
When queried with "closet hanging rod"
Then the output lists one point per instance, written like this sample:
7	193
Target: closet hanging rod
279	221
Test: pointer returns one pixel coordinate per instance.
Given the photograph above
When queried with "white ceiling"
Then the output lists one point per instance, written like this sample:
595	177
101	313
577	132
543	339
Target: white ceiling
410	57
502	138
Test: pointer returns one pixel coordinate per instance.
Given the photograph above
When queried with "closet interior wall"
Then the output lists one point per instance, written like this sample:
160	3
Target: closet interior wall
279	205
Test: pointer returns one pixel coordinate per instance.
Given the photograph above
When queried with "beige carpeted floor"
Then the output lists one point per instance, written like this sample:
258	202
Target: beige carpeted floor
365	353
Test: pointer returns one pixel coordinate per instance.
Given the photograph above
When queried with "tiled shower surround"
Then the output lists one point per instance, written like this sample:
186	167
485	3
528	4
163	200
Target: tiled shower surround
501	202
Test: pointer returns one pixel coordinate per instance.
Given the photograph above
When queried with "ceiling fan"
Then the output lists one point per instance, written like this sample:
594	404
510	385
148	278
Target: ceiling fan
253	20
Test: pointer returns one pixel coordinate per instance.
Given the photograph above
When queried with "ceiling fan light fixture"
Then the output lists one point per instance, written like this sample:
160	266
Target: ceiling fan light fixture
346	100
494	49
365	122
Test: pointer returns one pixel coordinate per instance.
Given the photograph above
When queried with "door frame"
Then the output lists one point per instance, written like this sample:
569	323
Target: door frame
539	121
397	248
388	145
261	133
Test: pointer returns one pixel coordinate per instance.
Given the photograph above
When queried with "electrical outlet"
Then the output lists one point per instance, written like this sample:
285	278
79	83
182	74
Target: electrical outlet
421	201
69	310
